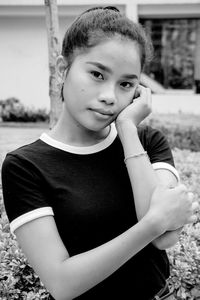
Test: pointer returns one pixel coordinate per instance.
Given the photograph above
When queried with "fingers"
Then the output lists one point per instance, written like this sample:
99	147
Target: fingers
144	94
181	187
137	93
190	196
193	219
195	206
143	90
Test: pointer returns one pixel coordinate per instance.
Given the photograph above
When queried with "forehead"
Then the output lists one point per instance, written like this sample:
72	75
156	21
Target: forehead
115	53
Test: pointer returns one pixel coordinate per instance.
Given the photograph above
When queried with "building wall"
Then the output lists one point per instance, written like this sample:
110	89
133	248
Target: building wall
24	59
23	52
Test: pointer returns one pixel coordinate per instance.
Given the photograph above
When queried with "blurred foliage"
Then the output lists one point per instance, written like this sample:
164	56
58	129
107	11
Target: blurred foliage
185	255
12	110
174	42
17	278
182	131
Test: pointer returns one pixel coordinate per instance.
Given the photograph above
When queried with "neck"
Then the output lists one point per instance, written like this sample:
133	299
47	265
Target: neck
74	134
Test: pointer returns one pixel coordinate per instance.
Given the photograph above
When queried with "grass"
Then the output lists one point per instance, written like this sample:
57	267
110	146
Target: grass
181	119
15	136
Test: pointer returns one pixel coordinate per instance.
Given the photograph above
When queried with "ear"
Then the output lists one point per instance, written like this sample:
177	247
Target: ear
61	66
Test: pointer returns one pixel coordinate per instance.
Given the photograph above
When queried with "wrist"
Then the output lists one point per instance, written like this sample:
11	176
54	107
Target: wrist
122	122
151	230
155	223
125	127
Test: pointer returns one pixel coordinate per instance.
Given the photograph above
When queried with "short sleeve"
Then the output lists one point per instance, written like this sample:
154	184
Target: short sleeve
23	192
158	150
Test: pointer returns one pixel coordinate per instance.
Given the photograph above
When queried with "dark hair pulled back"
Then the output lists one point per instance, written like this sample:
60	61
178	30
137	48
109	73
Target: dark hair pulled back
98	23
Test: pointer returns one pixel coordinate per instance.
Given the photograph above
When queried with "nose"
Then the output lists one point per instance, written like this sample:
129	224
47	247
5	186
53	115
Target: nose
108	95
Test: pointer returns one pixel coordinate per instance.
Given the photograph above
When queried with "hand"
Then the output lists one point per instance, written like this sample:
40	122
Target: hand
173	208
139	109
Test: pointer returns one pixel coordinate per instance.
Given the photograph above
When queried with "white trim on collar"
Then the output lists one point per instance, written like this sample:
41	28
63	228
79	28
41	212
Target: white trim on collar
81	150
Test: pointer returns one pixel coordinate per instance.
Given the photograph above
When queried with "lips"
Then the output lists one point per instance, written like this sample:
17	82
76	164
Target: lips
103	112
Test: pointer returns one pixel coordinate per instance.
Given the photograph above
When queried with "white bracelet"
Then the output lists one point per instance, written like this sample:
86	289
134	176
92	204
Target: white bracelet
136	155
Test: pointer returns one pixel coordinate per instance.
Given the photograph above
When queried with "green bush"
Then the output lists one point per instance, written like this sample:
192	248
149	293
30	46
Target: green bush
17	278
185	264
182	131
12	110
185	255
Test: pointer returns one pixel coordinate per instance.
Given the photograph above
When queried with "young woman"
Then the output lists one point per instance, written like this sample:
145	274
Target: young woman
93	203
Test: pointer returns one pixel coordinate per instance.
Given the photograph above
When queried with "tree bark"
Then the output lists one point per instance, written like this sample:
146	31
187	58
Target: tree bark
197	59
52	25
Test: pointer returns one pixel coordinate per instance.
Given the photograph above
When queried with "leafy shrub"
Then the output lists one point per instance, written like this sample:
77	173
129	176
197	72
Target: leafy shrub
182	131
185	264
17	278
12	110
185	255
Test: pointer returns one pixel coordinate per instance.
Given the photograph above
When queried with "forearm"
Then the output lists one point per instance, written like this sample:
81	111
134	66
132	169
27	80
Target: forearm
80	273
142	176
143	180
167	239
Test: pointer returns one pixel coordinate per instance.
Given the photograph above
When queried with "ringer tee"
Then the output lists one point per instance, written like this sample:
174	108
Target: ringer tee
88	192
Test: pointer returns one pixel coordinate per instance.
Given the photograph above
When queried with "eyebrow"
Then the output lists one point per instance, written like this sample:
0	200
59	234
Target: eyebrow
108	70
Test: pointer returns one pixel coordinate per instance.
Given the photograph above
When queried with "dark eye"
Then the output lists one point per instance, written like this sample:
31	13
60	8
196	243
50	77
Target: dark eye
97	74
127	84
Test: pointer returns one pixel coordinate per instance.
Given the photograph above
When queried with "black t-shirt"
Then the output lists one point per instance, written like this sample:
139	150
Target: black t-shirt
88	191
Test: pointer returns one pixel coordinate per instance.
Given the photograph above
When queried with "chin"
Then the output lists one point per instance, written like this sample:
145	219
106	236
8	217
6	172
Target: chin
97	127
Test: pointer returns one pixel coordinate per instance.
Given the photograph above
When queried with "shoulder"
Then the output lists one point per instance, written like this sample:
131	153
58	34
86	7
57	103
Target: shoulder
28	148
156	144
21	161
26	153
23	186
149	135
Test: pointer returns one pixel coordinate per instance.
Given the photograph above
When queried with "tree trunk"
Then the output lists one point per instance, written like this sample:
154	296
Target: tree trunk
197	59
54	50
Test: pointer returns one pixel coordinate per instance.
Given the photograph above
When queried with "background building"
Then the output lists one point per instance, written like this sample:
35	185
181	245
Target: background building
173	24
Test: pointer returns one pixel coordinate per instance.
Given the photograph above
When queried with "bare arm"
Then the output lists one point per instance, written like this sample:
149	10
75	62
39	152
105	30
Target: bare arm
143	178
67	277
169	238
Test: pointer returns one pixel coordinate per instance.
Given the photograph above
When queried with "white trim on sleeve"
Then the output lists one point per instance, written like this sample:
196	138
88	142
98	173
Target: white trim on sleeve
29	216
166	166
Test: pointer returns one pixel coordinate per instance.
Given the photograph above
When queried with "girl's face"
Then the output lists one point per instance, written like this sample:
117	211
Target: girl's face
100	83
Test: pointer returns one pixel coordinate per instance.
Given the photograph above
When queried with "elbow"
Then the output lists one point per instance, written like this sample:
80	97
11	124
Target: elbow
59	290
167	239
158	245
163	244
65	288
60	293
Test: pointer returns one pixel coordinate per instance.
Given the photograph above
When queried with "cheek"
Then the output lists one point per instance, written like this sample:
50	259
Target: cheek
123	105
126	101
